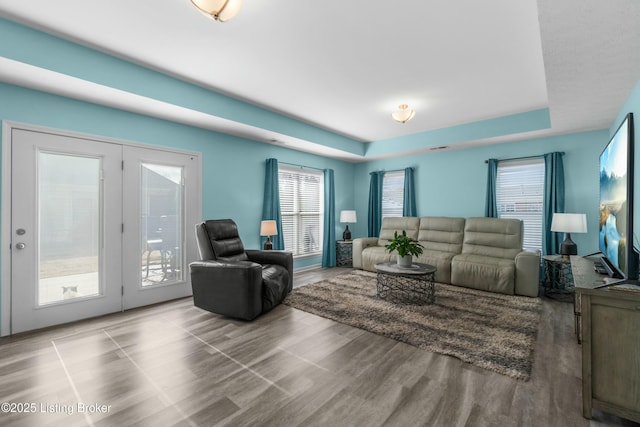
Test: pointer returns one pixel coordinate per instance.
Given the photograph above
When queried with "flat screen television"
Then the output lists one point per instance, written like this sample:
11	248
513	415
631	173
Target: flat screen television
620	258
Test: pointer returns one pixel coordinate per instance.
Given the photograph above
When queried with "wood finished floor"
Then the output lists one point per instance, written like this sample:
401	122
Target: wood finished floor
175	365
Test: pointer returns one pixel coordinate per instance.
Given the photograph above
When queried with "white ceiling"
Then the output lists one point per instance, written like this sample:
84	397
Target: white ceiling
345	66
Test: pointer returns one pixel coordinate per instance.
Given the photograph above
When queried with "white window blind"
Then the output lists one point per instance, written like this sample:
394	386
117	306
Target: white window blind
519	194
392	193
302	209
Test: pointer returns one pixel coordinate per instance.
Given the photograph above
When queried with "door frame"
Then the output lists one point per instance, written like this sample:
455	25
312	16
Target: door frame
5	199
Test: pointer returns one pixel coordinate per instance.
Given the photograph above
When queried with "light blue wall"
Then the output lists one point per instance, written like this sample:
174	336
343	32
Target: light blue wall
448	183
30	46
453	183
233	168
500	126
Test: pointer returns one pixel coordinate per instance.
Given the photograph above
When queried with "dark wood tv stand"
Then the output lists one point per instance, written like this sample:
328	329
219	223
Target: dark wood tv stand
608	325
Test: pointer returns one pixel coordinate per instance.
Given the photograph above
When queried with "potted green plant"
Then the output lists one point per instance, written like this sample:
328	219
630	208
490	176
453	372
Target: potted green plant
406	248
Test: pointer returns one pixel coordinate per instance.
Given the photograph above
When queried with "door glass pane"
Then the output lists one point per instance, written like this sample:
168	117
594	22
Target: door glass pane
69	227
161	224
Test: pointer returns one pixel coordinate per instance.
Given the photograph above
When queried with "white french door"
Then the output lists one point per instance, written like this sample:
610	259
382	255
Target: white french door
159	224
66	218
97	227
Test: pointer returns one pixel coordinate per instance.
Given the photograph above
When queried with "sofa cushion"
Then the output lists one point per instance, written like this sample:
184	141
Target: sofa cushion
441	261
392	224
483	272
493	237
375	255
441	234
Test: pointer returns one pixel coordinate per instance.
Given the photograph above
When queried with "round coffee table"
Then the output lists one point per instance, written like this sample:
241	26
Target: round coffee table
406	285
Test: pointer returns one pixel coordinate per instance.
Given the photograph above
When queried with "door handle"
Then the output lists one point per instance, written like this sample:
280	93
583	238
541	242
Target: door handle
20	246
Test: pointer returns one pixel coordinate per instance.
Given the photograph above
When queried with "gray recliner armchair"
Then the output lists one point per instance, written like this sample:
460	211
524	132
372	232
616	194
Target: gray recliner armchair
235	282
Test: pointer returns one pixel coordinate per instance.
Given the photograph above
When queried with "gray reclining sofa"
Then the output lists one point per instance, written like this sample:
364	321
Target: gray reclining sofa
478	253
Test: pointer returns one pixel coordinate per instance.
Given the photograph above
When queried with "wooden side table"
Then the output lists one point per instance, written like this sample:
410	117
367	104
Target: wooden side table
344	253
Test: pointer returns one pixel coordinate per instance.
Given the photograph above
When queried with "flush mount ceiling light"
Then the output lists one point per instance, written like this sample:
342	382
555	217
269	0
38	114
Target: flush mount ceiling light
404	114
220	10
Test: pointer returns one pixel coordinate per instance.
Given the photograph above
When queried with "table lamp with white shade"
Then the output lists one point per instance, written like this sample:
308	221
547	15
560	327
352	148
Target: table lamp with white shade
569	223
347	217
268	228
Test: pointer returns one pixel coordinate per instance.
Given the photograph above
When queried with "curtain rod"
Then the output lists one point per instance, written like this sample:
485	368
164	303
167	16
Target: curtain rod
522	158
395	170
300	166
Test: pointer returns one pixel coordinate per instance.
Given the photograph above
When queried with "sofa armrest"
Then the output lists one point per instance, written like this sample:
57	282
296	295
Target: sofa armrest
232	289
359	245
527	273
282	258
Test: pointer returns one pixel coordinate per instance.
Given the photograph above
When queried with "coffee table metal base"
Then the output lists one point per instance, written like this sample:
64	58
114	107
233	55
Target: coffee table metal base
406	289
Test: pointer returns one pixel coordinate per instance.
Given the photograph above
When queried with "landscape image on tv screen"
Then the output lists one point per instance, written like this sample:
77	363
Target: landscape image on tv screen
613	199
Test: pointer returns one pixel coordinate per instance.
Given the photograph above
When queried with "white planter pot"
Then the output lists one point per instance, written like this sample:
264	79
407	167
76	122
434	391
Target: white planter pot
405	261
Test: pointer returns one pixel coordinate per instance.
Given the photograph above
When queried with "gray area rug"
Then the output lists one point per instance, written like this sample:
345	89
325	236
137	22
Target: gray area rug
493	331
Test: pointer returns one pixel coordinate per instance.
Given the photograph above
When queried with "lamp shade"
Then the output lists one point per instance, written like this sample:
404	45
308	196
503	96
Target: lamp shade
220	10
569	223
348	217
268	228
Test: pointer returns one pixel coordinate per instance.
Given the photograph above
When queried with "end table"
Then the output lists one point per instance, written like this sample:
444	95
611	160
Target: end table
558	278
344	253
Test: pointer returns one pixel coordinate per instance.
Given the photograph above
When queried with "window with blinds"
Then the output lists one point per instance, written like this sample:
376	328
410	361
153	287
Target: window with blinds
519	194
392	193
302	209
